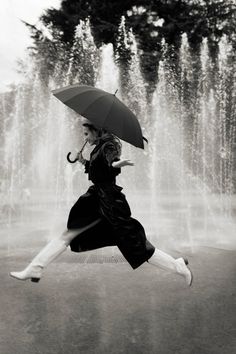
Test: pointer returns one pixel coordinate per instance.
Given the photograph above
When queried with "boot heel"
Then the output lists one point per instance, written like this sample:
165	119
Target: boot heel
35	280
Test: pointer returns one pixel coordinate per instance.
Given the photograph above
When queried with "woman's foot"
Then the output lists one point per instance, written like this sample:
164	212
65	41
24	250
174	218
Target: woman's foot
183	270
33	272
167	262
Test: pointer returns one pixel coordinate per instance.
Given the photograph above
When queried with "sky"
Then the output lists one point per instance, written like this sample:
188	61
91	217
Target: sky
15	37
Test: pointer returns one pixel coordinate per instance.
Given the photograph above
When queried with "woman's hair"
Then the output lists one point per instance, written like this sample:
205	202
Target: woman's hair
100	132
103	134
90	126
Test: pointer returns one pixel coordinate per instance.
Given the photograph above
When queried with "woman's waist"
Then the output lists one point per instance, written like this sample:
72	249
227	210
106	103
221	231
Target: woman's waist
106	186
102	181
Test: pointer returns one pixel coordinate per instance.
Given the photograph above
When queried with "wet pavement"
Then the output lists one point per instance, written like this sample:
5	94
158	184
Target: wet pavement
98	304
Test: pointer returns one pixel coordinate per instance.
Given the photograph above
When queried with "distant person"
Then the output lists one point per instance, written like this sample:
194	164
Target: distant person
102	217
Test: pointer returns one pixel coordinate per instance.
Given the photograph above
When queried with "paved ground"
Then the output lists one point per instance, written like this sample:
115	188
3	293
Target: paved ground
84	306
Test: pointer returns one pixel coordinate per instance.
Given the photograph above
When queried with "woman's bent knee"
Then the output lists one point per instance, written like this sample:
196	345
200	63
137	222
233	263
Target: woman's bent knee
68	235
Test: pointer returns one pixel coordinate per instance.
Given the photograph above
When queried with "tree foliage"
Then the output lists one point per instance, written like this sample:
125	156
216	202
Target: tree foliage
151	21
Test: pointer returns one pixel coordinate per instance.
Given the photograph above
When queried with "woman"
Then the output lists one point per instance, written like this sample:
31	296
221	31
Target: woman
102	217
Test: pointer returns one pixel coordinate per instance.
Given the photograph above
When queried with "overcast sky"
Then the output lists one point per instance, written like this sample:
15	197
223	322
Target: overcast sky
14	37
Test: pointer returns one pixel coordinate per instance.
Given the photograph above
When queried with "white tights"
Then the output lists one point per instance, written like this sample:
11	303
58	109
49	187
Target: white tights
163	260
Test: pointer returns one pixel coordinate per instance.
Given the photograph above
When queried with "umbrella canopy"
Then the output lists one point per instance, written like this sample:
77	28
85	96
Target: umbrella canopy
104	110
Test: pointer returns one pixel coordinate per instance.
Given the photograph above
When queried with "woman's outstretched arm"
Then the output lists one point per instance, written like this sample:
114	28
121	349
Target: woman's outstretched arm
112	152
122	163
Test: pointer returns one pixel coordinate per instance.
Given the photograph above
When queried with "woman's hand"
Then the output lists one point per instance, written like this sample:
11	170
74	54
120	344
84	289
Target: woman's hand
122	163
80	158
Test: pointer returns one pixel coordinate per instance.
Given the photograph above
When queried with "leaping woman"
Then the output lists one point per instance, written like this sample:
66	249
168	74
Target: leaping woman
102	217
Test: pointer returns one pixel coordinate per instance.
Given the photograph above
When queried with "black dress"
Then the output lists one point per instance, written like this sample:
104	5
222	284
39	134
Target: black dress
105	201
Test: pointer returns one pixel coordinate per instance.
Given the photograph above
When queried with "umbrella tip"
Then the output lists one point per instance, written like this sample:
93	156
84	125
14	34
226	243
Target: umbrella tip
115	92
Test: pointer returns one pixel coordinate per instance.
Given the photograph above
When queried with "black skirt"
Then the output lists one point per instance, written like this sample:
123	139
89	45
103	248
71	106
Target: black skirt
116	228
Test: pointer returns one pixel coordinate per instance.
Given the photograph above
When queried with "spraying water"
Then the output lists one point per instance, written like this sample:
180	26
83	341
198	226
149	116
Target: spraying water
182	185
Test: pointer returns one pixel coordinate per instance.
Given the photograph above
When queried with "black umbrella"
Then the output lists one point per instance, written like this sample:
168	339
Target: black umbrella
104	110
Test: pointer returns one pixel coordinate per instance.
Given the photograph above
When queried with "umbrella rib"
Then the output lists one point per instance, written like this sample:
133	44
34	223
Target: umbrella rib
109	109
81	94
123	122
95	101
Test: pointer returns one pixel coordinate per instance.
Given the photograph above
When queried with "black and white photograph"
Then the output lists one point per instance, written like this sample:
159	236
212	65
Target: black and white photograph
118	177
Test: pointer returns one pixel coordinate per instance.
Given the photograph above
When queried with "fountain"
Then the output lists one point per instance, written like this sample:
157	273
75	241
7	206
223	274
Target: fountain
182	185
189	170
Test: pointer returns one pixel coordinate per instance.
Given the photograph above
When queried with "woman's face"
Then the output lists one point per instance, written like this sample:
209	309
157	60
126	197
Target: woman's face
90	135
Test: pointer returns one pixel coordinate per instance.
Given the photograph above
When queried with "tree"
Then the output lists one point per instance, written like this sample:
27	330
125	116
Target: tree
151	21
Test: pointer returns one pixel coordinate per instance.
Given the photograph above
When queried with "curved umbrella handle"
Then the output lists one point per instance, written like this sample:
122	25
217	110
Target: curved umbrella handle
68	158
68	155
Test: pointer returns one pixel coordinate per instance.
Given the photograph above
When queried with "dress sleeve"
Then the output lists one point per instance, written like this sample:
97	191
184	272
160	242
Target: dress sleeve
111	152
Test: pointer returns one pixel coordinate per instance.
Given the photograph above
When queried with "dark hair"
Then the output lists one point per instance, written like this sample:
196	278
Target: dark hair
92	128
103	134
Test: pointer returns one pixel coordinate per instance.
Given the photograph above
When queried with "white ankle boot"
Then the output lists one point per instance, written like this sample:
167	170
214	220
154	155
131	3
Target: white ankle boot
34	270
167	262
183	270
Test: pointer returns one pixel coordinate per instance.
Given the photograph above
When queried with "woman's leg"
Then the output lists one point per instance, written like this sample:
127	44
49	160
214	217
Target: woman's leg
165	261
49	253
68	235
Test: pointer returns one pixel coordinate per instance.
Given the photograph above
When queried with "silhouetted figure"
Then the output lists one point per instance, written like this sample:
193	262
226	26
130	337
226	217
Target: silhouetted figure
102	217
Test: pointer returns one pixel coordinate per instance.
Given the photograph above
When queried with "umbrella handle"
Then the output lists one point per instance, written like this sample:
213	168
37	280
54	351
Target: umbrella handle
68	158
69	153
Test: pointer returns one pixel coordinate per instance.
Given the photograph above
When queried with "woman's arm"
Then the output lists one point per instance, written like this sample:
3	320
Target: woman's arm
83	161
112	152
80	158
122	163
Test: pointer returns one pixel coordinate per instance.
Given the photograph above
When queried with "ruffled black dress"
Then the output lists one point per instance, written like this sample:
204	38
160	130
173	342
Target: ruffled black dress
105	201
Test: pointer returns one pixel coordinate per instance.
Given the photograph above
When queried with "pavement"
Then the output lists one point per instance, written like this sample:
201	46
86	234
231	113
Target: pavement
94	303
